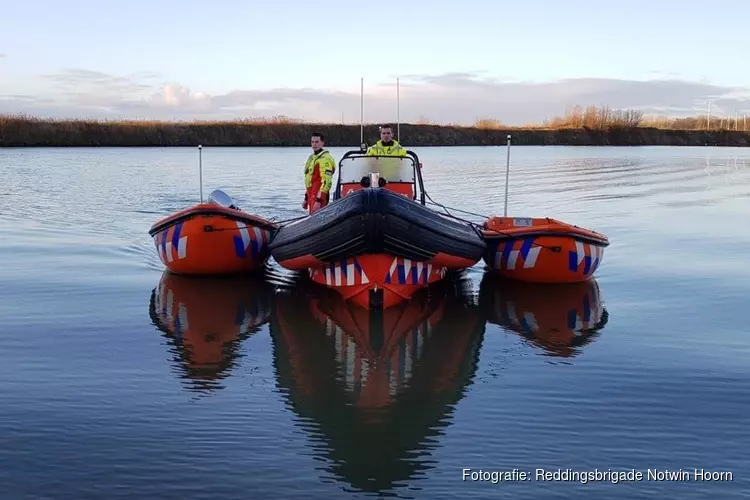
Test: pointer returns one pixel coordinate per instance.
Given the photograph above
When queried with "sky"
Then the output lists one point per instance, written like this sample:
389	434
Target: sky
456	62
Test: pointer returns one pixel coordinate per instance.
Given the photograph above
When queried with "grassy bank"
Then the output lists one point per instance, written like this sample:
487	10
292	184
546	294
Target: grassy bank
580	127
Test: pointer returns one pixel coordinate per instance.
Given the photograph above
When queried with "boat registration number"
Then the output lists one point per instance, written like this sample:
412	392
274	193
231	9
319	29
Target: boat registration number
522	222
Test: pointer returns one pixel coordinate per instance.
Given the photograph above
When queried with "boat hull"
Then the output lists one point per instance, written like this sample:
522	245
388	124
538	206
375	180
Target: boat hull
375	281
542	250
376	247
208	239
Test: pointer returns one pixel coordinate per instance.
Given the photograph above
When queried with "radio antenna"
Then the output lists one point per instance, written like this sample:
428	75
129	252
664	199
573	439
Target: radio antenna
398	111
361	111
507	174
200	169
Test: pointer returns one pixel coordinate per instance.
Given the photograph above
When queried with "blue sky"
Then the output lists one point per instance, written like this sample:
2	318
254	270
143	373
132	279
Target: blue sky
171	53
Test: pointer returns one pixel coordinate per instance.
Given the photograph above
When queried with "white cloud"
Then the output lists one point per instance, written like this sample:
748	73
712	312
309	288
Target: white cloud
177	96
451	97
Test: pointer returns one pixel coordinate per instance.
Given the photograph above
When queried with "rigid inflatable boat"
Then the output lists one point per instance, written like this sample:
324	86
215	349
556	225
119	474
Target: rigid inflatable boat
206	318
212	238
376	242
558	318
372	385
542	250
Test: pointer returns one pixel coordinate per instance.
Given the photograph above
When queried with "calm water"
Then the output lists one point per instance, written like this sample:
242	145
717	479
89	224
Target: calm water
117	381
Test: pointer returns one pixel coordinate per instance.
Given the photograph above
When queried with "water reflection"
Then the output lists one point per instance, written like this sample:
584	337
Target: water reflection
726	171
205	320
559	318
374	389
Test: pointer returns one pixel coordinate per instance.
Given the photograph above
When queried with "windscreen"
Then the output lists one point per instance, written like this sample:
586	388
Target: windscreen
393	169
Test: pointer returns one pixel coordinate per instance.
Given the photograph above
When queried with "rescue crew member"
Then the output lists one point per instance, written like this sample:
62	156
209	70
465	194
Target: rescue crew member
319	170
387	145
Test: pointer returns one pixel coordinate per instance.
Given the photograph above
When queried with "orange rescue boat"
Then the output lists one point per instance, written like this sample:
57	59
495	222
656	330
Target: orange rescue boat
377	243
559	318
212	238
542	249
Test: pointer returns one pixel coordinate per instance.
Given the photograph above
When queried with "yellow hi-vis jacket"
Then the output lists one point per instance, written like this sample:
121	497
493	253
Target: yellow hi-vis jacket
378	149
319	170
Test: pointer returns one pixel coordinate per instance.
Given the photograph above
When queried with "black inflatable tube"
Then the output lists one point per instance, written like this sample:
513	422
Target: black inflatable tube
375	220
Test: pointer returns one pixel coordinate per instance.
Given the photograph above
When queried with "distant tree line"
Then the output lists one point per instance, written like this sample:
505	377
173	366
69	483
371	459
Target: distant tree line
580	125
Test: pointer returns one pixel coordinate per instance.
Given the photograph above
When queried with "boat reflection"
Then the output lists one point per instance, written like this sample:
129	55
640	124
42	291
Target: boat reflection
205	320
376	387
559	318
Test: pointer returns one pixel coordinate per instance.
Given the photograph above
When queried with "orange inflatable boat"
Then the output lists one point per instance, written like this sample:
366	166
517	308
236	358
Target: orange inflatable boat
377	243
212	238
206	319
542	250
559	318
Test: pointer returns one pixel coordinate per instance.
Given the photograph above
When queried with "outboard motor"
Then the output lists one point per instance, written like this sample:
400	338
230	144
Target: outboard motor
219	197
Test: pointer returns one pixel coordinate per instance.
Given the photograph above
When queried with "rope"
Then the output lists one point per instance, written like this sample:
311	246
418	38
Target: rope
472	224
433	202
477	227
272	219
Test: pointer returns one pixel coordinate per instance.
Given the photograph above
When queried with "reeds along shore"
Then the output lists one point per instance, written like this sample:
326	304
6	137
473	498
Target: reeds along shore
579	127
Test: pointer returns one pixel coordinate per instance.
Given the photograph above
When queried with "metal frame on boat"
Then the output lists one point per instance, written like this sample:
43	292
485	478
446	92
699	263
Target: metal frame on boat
380	164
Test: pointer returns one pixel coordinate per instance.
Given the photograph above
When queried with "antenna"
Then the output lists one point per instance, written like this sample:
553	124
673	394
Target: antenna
361	111
507	174
200	169
398	111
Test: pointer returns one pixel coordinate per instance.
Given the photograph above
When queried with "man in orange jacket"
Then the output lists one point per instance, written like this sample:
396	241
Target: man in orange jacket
319	169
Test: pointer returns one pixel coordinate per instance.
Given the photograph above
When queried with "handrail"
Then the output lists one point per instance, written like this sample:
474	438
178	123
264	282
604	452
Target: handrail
362	153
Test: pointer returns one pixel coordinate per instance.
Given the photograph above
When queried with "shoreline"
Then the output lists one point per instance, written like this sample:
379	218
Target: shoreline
37	132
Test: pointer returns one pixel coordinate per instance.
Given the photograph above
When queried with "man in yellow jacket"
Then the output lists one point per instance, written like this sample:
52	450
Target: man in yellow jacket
387	145
319	169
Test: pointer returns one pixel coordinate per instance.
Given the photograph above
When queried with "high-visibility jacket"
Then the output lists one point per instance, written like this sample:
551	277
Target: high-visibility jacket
394	149
319	170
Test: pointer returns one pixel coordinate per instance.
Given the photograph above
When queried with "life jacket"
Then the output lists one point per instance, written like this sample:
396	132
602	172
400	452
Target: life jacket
319	170
394	149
